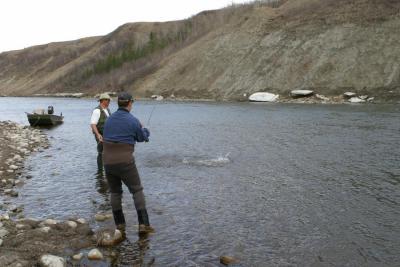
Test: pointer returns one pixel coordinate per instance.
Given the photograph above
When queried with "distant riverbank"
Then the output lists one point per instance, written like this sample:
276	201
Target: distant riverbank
312	99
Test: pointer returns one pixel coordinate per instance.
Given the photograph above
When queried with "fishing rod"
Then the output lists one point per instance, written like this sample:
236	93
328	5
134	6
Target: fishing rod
151	115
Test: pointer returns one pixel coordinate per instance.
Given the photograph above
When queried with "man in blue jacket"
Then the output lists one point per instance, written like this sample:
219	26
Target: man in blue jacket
121	132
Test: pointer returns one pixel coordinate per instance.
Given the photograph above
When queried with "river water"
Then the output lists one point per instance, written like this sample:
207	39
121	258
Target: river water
270	184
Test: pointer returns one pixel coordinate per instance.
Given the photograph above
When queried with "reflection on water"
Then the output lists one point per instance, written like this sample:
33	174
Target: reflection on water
101	183
134	253
272	185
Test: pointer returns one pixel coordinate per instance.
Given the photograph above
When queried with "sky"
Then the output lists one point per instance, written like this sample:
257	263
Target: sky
25	23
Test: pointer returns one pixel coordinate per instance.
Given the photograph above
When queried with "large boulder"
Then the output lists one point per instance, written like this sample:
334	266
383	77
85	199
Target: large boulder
301	93
263	97
349	94
356	100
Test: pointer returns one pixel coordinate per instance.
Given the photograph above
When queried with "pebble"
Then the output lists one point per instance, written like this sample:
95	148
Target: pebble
72	224
105	239
4	217
77	257
50	222
117	235
226	260
100	217
45	229
20	226
13	167
3	233
8	191
81	221
95	254
52	261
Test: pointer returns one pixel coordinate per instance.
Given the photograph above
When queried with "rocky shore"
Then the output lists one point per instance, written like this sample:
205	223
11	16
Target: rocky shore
32	242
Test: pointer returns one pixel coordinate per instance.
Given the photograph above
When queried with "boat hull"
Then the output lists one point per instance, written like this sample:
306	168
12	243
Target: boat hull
44	119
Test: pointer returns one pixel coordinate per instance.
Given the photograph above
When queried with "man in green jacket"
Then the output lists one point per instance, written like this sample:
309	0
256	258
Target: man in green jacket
97	121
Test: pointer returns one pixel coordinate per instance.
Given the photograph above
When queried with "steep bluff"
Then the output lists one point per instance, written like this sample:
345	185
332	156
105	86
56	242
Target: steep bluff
329	46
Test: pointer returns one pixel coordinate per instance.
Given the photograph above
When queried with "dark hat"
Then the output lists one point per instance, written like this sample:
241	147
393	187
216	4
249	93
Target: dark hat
125	96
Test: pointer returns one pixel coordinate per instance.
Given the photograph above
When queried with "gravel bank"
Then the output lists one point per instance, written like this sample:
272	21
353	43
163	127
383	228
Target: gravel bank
27	241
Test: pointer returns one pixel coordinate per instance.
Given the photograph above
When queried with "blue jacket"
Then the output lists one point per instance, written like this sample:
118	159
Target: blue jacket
123	127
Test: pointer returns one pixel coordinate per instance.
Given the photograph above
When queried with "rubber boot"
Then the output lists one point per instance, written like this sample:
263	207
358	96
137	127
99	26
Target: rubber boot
119	220
144	224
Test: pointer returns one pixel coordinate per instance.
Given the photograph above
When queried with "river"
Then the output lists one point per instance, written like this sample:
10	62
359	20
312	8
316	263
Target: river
270	184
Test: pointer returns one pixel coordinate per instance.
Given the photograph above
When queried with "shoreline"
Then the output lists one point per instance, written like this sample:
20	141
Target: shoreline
46	242
314	99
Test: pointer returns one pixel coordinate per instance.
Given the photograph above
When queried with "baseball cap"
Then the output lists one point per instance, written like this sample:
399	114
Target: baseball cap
125	96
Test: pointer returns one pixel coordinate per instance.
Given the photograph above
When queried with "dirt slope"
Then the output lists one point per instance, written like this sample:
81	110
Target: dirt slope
329	46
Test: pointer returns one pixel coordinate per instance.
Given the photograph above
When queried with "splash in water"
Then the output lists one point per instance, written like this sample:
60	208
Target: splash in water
210	162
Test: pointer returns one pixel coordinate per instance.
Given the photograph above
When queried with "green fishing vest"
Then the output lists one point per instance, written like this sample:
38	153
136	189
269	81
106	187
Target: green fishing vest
102	119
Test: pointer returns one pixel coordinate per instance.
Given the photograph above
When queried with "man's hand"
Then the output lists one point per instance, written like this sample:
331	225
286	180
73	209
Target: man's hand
100	138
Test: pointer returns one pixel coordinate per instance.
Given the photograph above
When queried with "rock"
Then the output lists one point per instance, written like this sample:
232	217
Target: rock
72	224
349	94
356	100
3	233
1	242
105	238
363	97
13	208
77	257
52	261
108	216
21	226
157	97
226	260
31	223
81	221
95	254
45	229
14	194
322	97
8	191
301	93
50	222
4	217
370	99
28	177
100	217
118	235
263	97
13	167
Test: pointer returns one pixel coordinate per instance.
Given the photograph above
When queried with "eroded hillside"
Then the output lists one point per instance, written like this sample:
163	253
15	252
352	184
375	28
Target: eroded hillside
329	46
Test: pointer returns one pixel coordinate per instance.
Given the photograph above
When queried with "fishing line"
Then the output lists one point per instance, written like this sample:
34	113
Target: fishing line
151	114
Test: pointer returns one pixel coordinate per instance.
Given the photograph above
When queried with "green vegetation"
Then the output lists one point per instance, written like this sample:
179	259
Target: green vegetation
132	53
